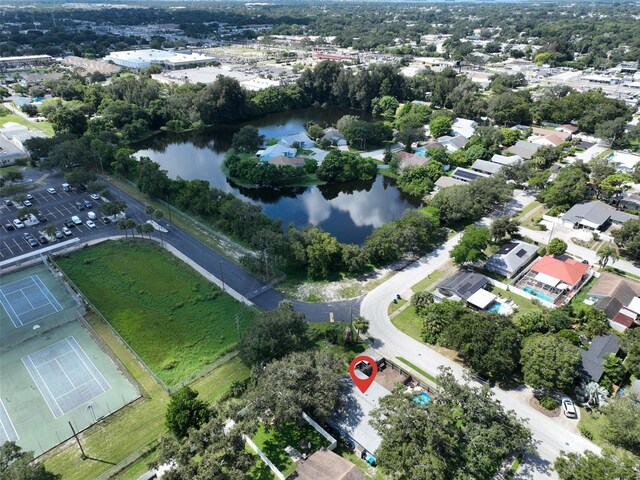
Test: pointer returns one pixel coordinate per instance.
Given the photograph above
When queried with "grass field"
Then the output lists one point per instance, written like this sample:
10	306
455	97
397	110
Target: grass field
138	425
7	116
174	319
409	322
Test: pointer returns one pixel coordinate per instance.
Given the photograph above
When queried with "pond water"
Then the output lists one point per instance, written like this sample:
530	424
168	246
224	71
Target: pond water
348	211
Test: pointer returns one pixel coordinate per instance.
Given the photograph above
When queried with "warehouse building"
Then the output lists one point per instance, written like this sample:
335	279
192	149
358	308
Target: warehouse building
169	59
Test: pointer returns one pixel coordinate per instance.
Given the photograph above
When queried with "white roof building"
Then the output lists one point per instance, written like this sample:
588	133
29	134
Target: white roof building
464	127
147	57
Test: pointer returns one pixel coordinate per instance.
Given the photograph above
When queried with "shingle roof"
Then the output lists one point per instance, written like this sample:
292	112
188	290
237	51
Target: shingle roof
487	167
593	357
459	141
444	182
524	149
511	257
567	270
326	465
463	284
595	212
506	160
411	159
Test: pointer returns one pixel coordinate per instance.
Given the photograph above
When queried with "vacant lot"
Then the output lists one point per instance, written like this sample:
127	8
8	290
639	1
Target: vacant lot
174	319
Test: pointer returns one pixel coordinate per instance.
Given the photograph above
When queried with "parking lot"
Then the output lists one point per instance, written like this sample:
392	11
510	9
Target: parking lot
57	208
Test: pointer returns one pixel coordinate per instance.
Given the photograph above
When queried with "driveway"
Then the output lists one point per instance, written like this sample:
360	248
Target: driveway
550	435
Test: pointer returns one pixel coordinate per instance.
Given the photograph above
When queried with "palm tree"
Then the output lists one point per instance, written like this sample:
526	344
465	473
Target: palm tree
148	229
361	324
132	225
123	225
158	215
606	253
50	231
148	209
139	229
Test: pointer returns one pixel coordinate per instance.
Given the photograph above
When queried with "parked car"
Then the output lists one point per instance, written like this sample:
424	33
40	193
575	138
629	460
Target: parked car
8	202
90	224
66	231
27	235
59	234
9	226
41	217
29	196
569	408
33	242
79	206
88	204
92	215
69	224
76	220
43	239
18	223
52	191
95	196
105	220
27	203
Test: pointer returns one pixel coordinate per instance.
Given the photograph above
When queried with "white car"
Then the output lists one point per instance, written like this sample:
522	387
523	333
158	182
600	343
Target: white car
52	191
95	196
66	231
91	215
90	224
27	203
18	223
75	219
569	408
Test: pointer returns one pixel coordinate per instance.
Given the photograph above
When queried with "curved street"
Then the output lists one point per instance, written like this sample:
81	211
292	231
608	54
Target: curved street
550	435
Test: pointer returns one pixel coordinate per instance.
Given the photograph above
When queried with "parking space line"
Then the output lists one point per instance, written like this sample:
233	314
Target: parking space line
8	247
17	244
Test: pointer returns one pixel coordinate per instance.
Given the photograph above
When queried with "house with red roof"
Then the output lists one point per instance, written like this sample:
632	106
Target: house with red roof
554	280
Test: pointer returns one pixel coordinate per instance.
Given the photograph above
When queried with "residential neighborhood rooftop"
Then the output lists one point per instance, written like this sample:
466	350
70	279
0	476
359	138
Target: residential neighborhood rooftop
594	214
554	269
593	357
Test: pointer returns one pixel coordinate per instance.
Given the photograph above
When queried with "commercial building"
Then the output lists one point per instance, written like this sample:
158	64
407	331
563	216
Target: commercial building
25	61
169	59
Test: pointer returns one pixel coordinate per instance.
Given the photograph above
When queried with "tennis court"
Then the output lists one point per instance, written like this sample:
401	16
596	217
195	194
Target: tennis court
65	376
7	430
28	300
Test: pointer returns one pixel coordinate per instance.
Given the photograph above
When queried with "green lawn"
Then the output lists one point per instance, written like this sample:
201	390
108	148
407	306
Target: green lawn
7	116
409	322
418	369
532	206
171	316
273	442
429	280
395	306
524	305
318	335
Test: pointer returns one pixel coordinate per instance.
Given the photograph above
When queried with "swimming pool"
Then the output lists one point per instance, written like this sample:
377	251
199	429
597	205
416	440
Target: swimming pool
539	294
422	398
500	308
421	151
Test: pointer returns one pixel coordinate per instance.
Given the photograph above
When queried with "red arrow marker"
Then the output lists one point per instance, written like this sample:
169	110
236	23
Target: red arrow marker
360	379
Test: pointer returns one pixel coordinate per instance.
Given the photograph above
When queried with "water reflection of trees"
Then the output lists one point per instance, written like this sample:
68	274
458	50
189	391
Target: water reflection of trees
331	191
268	195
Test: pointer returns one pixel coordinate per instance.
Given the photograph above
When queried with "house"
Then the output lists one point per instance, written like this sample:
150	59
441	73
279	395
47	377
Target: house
463	127
630	200
433	146
511	258
543	136
326	465
410	159
506	160
467	175
591	153
281	161
453	144
600	347
334	136
623	162
594	215
567	128
524	149
618	298
301	139
274	151
445	182
483	166
467	286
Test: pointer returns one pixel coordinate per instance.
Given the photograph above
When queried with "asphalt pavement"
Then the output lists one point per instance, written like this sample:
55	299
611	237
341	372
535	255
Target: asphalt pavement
62	206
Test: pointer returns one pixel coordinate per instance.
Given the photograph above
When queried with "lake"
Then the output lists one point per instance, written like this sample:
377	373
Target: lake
348	211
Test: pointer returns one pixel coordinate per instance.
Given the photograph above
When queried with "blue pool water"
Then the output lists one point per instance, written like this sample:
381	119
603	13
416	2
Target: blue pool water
422	398
495	307
421	151
538	294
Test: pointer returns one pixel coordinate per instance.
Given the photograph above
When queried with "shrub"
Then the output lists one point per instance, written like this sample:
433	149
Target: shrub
548	403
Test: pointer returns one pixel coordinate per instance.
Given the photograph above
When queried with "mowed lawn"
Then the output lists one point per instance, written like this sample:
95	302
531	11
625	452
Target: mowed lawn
173	318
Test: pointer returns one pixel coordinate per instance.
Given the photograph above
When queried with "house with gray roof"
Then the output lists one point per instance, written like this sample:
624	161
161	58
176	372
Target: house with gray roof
446	182
274	151
591	365
506	160
524	149
595	215
453	144
511	259
466	286
300	138
334	136
486	167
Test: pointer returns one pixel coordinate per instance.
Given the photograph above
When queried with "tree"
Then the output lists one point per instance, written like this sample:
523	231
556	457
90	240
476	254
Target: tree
613	372
437	316
79	176
419	180
50	231
606	253
504	226
544	321
545	156
462	433
151	179
340	166
247	139
314	130
440	126
630	345
66	118
13	176
19	465
146	228
611	130
556	247
158	215
223	101
30	109
361	324
420	301
614	185
122	225
569	188
549	362
273	335
112	208
131	224
591	466
385	106
471	246
622	427
628	237
300	382
185	411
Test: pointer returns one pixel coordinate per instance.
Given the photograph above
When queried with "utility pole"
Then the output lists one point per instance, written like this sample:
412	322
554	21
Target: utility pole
75	435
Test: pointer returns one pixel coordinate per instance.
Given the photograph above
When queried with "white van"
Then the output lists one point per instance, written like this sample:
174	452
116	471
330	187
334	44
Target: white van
91	215
66	187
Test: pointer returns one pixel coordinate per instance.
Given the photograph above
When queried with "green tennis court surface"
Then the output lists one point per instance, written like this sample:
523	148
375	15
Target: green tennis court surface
53	374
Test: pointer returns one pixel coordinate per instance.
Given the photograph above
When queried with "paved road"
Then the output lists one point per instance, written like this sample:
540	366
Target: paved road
61	206
550	435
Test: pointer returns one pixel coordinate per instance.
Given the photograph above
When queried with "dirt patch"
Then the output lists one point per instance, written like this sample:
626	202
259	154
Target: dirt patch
533	401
